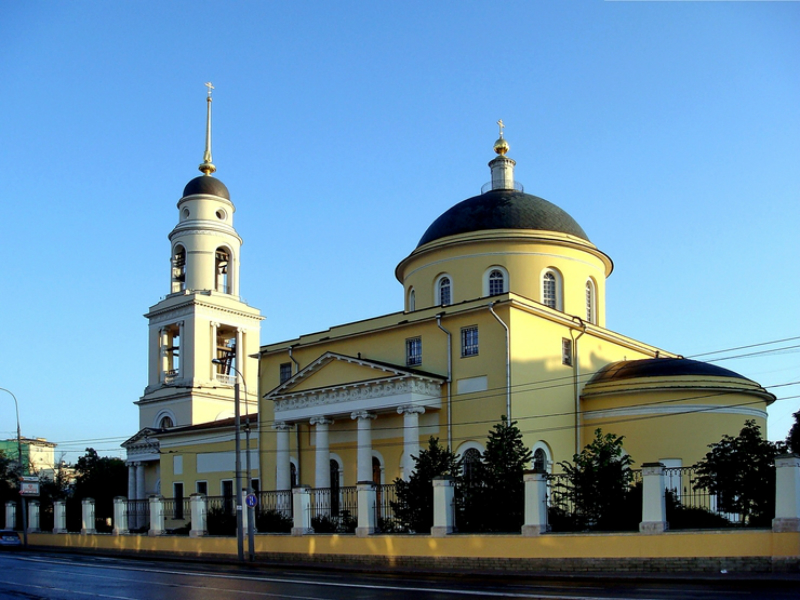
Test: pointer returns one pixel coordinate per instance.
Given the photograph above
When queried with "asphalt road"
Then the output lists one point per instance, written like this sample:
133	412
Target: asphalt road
34	576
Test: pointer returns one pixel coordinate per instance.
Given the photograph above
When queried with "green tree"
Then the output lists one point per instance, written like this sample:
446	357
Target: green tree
495	499
101	478
414	505
740	472
9	488
793	440
598	487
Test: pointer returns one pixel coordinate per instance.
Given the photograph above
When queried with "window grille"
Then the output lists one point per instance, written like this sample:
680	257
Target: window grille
469	341
549	290
496	282
286	372
445	297
566	352
414	351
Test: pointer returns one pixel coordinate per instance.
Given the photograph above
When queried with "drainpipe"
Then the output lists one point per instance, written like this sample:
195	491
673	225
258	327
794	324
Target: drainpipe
576	373
508	361
292	358
449	381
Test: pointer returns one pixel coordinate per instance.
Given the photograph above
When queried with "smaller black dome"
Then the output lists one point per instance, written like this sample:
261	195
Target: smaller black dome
502	209
206	184
659	367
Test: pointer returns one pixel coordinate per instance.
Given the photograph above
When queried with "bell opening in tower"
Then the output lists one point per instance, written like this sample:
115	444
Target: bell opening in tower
222	277
179	269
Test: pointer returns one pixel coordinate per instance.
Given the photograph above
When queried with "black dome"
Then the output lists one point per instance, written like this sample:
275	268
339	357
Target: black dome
659	367
502	209
206	184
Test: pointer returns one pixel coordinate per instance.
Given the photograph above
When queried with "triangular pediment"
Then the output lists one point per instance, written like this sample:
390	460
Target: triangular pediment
336	370
335	383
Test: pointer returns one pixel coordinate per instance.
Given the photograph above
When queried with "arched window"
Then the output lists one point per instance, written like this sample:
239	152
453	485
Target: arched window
165	422
334	487
497	282
591	302
444	291
412	300
540	460
471	460
551	289
222	271
178	269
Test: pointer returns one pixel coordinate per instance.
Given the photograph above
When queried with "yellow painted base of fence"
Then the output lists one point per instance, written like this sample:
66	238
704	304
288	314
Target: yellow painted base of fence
760	547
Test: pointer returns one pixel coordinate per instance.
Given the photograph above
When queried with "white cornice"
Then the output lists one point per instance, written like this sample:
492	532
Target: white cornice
673	409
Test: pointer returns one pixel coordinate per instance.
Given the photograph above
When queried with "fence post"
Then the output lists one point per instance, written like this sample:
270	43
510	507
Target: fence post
444	515
787	493
120	516
654	505
197	502
535	503
367	497
156	516
11	515
33	516
87	516
301	505
59	516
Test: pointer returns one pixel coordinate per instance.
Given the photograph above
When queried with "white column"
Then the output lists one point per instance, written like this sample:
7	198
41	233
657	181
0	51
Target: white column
301	498
140	491
240	356
87	516
156	516
162	352
654	508
787	494
197	502
132	481
33	516
323	454
59	517
535	503
283	463
444	515
120	516
181	351
364	470
410	436
367	515
214	327
11	515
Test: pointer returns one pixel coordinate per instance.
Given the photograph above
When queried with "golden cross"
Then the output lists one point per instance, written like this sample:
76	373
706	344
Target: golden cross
210	87
500	123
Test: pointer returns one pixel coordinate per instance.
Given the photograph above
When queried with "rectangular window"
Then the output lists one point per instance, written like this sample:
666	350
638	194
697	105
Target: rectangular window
566	352
202	487
469	341
178	496
286	371
414	351
256	485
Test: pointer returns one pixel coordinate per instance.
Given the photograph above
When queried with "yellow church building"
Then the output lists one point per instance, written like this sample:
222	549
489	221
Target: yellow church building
501	312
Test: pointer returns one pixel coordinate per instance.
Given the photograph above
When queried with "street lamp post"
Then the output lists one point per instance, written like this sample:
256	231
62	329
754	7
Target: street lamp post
23	500
238	468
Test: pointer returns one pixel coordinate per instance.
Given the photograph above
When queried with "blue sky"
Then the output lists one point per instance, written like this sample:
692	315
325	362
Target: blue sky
670	131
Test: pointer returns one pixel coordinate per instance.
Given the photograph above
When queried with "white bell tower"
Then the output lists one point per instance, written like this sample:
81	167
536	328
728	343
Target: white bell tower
202	317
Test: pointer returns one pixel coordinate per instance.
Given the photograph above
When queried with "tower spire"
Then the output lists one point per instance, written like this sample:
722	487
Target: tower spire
207	167
502	166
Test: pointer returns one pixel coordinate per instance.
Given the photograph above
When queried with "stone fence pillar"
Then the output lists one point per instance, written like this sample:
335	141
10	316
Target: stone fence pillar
535	503
654	505
787	493
444	514
197	503
11	515
156	515
87	516
301	506
59	516
33	516
120	516
367	498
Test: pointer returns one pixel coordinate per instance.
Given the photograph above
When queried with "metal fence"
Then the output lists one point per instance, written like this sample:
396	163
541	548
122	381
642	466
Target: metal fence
334	510
690	506
138	515
385	517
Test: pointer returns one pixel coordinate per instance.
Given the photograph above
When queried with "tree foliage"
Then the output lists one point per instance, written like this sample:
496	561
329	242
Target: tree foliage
793	440
414	505
598	487
495	499
740	472
101	478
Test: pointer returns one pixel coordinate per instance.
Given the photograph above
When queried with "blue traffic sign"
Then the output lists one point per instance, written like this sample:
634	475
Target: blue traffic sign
251	500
